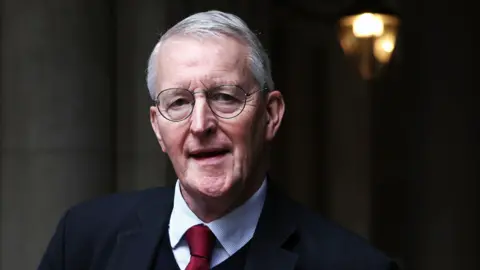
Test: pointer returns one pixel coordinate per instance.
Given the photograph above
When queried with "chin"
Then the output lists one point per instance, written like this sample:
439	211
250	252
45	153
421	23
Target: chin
214	186
209	184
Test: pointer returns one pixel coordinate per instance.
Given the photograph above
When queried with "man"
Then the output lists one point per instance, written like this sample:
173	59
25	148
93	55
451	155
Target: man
215	115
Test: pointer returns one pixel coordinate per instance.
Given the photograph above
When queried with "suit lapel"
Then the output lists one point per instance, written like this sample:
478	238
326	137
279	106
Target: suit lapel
144	229
274	235
136	243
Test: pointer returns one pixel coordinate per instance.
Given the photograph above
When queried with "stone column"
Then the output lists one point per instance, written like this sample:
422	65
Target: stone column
349	144
140	161
443	208
426	200
298	146
55	118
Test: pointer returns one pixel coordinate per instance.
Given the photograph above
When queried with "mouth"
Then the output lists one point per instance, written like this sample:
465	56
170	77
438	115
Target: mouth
205	154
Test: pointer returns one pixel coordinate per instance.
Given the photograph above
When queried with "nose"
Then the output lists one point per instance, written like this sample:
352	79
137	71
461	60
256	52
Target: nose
203	121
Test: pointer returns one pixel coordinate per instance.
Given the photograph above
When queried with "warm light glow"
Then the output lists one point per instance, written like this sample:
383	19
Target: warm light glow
387	46
384	47
367	25
368	41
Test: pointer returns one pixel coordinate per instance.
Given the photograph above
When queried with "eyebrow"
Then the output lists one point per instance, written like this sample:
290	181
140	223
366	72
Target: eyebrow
216	83
207	84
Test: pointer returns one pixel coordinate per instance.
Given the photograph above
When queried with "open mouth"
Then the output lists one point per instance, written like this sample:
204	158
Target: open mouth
205	154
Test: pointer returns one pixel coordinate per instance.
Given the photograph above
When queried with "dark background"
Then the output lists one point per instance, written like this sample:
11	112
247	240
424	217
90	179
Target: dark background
395	161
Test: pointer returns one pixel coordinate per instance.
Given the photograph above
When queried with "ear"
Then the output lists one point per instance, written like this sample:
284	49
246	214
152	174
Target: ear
155	121
275	110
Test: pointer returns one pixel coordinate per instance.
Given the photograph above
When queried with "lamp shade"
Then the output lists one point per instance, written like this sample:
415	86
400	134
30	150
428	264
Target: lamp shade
368	36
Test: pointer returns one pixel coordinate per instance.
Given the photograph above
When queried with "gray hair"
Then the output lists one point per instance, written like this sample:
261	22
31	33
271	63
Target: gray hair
215	24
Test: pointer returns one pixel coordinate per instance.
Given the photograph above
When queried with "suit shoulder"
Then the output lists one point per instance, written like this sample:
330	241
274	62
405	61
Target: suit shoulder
338	244
89	230
111	209
123	198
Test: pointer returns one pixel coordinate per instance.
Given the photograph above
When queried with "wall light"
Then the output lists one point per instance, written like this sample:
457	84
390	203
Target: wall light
368	38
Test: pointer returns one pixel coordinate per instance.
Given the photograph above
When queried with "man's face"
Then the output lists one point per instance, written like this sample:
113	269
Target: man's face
213	156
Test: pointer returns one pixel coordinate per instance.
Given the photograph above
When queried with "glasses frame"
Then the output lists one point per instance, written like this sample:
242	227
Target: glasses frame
205	91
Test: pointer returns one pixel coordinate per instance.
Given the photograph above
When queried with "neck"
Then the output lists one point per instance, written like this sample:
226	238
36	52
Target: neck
209	209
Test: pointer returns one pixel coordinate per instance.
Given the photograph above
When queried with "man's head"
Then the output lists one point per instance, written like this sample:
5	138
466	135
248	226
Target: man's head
216	110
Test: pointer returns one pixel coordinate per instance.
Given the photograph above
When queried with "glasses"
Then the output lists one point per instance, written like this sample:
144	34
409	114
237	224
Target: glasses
225	101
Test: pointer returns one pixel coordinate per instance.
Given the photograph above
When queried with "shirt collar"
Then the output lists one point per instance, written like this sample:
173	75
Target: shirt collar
233	230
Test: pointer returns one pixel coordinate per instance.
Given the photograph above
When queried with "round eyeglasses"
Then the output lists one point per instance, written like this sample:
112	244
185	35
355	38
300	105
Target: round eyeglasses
225	101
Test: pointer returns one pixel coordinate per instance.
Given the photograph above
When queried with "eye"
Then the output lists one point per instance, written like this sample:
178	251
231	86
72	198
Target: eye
178	102
222	97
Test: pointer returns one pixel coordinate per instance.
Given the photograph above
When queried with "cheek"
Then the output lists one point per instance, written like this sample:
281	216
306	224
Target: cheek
174	140
246	138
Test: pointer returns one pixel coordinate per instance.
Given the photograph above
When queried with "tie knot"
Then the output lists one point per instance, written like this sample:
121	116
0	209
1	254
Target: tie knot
200	240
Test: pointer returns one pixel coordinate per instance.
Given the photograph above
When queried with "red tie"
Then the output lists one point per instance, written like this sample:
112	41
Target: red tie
201	241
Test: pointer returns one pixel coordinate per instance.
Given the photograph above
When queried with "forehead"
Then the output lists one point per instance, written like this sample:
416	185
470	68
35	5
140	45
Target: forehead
185	60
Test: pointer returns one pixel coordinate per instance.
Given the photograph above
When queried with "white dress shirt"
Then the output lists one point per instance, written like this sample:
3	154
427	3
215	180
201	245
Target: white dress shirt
232	231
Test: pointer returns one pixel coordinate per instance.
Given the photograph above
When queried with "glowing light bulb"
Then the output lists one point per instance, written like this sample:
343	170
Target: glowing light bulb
387	46
384	47
367	25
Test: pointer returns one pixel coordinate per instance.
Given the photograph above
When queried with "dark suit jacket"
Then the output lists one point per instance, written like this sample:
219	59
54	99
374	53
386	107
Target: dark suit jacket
121	231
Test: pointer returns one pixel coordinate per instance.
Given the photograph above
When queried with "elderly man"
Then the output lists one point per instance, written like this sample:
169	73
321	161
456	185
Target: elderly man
216	112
